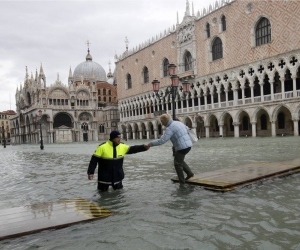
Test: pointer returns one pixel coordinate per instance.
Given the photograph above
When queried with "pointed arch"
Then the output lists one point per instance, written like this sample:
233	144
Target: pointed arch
165	65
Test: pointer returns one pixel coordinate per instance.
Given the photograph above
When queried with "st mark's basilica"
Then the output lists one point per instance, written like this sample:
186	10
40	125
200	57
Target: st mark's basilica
84	109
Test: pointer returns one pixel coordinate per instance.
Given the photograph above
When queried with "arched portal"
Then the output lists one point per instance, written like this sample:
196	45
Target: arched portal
62	119
62	124
284	124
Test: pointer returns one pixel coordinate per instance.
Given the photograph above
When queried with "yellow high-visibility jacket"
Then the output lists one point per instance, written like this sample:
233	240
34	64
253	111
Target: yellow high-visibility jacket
110	161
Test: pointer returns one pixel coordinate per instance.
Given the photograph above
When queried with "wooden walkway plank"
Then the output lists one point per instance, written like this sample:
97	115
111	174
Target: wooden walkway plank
25	220
230	178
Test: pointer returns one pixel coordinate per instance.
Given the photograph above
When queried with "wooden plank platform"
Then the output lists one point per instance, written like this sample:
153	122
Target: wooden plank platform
230	178
21	221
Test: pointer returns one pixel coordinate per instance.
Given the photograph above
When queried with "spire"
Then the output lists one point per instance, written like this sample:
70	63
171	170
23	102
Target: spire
36	75
187	9
177	18
26	73
88	56
109	75
31	76
126	43
41	70
70	73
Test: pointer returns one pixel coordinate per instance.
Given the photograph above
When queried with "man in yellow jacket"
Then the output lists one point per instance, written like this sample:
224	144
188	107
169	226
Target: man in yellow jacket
109	156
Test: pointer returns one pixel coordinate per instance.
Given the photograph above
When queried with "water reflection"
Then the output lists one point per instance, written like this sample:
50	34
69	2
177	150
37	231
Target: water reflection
151	212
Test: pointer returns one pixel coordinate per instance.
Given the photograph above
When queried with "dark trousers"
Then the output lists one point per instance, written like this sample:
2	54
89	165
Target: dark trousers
181	166
104	187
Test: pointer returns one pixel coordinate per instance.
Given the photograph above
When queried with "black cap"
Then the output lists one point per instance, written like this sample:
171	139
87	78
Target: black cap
114	134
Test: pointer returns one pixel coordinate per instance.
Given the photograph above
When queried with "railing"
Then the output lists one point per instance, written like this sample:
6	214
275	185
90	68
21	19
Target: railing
278	96
257	99
267	98
289	94
248	100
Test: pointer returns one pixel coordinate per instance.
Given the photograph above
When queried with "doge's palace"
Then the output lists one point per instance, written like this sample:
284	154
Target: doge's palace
241	60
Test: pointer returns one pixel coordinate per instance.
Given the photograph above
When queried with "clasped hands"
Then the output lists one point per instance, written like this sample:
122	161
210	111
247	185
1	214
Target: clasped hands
147	146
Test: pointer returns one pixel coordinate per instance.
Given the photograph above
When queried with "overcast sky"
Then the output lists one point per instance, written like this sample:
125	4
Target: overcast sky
54	34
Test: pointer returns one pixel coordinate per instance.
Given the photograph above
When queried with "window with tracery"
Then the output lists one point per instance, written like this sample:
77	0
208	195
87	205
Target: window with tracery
146	75
129	83
263	32
223	22
166	70
207	30
217	49
188	61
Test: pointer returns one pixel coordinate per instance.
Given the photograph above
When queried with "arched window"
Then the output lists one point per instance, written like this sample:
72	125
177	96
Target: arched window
207	30
104	91
263	32
263	122
101	128
188	61
129	83
146	75
281	121
84	126
109	92
223	22
166	70
217	49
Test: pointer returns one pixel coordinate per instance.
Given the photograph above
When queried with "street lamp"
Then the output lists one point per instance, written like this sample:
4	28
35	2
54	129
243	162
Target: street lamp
3	136
171	90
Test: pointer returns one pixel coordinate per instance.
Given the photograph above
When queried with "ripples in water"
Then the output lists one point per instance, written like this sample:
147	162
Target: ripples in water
151	212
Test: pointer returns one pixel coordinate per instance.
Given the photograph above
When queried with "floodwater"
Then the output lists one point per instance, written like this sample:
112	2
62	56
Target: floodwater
151	212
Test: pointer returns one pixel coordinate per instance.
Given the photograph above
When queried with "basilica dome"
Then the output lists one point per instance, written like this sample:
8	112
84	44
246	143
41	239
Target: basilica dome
89	70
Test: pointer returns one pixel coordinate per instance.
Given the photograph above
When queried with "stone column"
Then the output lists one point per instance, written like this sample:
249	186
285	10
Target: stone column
236	129
193	104
252	91
273	128
141	134
155	134
148	134
294	87
221	130
253	129
261	92
133	135
282	87
226	95
207	131
243	94
296	132
235	97
219	98
205	101
272	90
